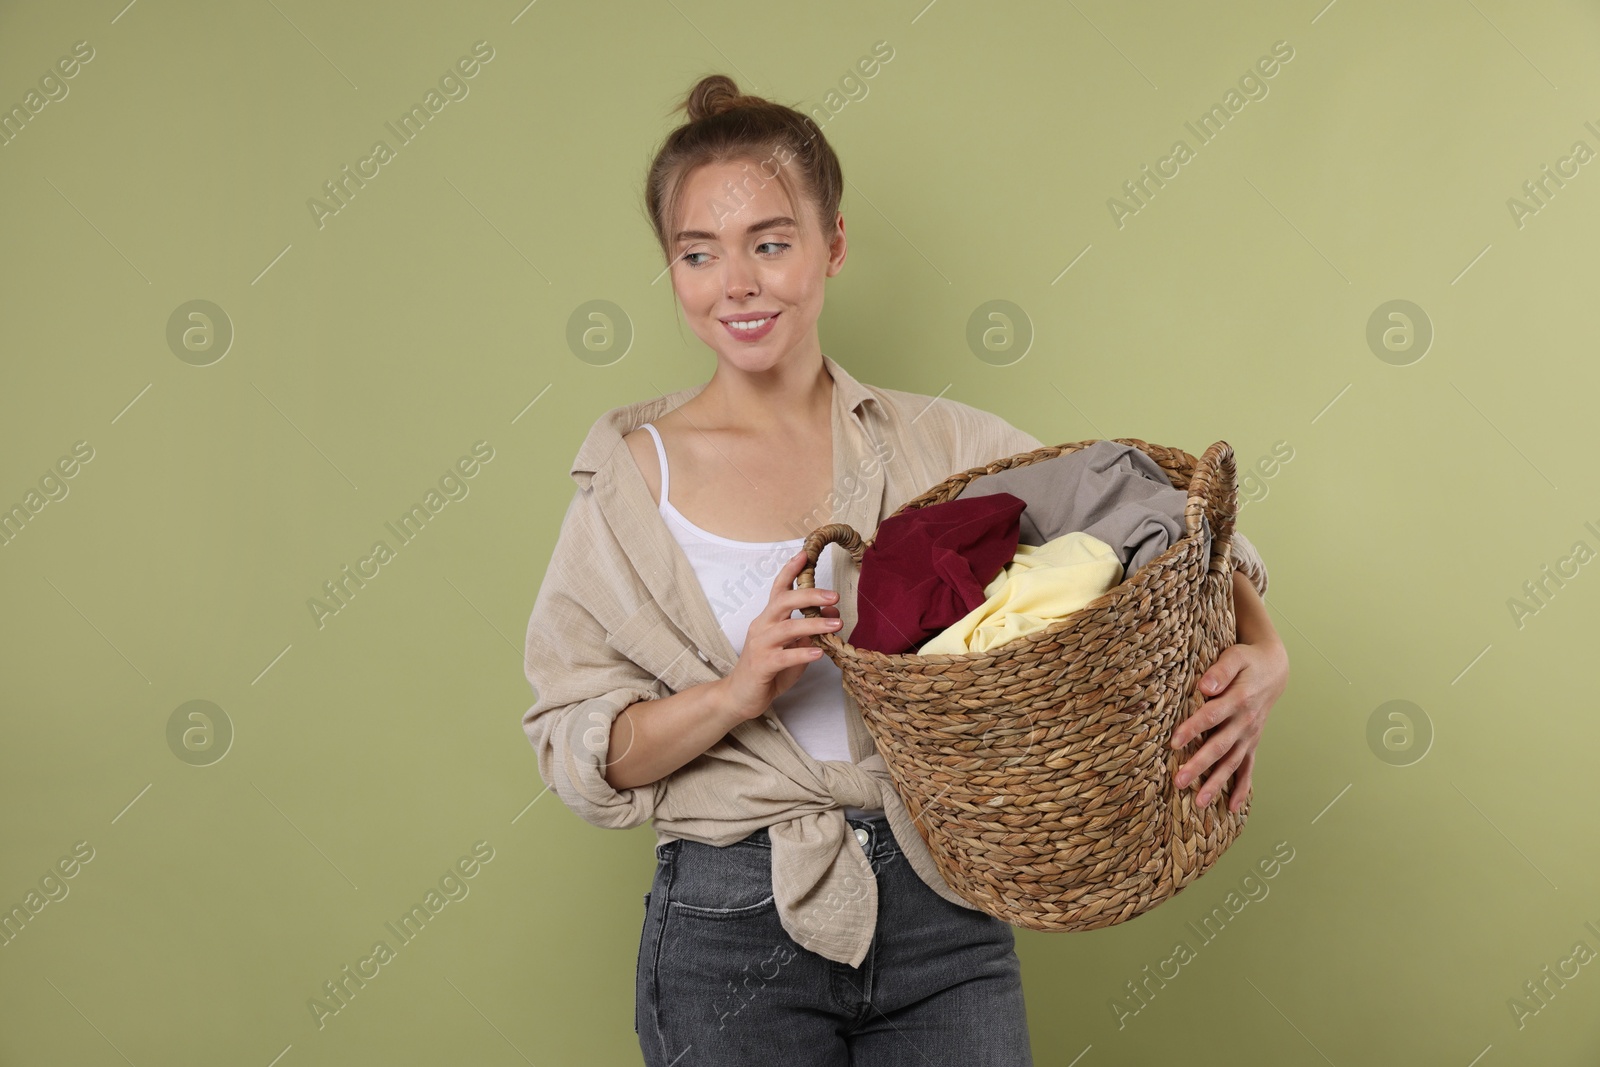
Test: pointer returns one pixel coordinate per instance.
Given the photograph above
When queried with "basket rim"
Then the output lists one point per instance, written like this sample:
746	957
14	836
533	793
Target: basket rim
1103	604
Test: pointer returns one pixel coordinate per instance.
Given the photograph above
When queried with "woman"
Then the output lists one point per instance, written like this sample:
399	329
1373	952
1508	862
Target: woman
795	915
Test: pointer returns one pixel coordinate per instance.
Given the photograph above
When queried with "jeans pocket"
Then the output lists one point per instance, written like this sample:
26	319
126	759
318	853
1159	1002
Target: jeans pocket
727	883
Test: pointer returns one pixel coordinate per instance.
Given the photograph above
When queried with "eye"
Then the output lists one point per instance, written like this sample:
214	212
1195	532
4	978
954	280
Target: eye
771	244
688	257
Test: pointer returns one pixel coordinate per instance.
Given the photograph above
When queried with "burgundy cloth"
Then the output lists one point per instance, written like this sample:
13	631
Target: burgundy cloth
926	568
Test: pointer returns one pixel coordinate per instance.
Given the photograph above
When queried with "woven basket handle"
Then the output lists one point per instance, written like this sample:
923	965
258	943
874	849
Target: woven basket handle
846	537
1214	493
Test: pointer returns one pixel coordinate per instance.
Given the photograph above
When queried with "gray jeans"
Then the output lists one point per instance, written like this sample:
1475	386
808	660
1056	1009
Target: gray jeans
720	982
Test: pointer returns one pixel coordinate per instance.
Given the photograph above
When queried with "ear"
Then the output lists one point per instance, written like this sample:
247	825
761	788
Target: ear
837	246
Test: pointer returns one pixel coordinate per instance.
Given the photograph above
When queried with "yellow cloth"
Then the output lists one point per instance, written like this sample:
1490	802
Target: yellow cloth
1041	584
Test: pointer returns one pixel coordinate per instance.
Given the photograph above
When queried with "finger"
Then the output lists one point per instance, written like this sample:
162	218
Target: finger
785	657
784	579
1208	715
784	597
1208	753
784	604
1220	673
1224	770
786	574
794	603
1241	783
790	631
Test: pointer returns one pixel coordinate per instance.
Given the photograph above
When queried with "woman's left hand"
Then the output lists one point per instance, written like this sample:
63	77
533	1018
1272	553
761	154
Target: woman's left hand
1240	687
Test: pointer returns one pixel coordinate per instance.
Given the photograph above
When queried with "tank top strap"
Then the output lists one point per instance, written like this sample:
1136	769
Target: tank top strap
661	455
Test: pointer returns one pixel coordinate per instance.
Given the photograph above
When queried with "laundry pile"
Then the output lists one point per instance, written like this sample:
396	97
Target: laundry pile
1015	551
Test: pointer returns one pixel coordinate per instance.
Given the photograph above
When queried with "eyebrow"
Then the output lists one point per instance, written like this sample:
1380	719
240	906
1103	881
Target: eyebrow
773	223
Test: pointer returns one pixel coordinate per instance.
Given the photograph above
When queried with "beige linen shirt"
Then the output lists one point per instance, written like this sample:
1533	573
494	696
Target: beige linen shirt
621	617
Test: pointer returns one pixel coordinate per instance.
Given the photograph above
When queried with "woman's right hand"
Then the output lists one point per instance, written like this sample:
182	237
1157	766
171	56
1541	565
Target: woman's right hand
776	647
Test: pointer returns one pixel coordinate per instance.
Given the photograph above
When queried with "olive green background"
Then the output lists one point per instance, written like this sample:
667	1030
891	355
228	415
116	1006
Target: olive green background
1401	491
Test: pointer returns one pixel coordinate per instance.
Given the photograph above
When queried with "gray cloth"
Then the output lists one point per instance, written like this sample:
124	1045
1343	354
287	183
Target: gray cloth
1110	491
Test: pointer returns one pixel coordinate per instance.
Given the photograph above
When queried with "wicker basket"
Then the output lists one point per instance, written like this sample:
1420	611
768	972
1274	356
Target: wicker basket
1040	773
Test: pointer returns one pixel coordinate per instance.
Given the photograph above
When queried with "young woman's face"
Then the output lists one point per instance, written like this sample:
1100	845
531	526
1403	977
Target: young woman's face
748	271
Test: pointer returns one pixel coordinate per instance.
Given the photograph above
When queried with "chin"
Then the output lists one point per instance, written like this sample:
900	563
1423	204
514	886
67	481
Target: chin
748	357
752	362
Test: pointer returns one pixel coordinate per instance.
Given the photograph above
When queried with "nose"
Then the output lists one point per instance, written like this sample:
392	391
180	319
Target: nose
741	280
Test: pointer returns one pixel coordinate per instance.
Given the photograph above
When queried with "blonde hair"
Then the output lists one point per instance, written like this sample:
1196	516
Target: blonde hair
725	125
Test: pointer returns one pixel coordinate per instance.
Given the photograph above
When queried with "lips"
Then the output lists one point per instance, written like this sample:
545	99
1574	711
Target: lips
750	327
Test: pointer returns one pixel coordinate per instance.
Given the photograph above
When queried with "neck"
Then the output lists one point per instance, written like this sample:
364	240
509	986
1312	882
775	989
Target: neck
795	393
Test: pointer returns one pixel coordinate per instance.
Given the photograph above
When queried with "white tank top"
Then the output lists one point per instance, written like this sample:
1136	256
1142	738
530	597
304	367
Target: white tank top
737	577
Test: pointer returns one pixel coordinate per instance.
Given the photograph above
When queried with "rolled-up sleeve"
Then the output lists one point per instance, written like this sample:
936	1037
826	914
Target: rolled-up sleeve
581	684
1248	560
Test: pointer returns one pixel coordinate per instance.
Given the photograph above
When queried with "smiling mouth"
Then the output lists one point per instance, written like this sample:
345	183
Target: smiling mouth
750	329
749	324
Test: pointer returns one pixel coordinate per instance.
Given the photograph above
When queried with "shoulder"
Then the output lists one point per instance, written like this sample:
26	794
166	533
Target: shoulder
643	449
618	432
968	435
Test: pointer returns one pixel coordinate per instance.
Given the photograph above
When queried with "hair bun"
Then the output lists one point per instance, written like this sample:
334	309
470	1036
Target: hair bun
714	94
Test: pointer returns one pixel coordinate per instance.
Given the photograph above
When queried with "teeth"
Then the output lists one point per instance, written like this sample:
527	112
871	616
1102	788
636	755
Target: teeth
754	324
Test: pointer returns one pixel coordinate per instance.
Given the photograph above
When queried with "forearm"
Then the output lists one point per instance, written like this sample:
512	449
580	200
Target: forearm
1254	624
652	738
